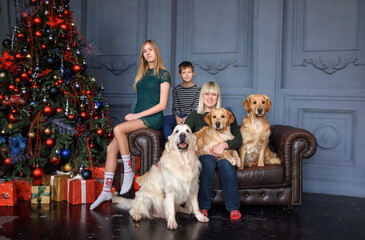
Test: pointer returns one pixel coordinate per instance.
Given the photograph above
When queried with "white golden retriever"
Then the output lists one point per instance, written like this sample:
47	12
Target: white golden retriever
165	189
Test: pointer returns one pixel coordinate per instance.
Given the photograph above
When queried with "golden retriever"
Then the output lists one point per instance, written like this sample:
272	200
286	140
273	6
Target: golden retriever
255	130
164	189
218	131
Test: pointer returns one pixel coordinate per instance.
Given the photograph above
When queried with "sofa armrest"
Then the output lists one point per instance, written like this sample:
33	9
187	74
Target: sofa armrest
147	143
292	145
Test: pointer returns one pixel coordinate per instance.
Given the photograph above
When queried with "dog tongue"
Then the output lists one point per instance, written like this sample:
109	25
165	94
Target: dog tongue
182	145
259	115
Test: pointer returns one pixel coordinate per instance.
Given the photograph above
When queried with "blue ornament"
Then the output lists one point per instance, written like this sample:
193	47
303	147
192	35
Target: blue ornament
86	174
98	106
65	153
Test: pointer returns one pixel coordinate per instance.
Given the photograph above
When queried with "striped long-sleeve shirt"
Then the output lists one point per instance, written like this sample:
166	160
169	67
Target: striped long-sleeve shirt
185	100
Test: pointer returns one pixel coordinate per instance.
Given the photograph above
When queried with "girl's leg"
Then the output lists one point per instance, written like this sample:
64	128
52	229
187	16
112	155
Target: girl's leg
110	166
229	184
121	132
206	180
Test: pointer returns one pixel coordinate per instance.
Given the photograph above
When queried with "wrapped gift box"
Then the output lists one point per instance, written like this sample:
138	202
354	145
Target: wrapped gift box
8	195
23	189
99	171
57	182
41	194
80	191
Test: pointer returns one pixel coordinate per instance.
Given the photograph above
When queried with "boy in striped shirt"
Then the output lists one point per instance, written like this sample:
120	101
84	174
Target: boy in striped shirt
185	99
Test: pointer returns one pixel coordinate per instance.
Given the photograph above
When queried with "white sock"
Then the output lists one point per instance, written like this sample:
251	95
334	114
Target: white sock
128	174
106	194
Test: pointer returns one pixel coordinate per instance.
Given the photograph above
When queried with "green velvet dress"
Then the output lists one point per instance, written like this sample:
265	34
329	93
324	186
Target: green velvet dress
148	95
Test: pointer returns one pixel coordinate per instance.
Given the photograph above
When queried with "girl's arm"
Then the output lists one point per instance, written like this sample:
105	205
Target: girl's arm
161	106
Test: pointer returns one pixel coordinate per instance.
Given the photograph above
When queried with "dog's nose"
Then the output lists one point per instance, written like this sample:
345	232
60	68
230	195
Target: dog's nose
259	110
182	137
218	124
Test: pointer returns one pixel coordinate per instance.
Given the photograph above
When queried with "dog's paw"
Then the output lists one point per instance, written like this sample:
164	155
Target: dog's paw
201	218
172	224
136	217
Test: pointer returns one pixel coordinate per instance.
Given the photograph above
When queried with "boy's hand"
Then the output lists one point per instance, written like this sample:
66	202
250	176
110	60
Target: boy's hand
178	120
183	120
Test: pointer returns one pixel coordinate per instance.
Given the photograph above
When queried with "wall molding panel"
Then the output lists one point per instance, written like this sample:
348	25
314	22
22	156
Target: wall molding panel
330	66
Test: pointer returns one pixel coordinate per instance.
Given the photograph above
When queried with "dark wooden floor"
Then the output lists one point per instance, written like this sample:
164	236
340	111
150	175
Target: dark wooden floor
319	217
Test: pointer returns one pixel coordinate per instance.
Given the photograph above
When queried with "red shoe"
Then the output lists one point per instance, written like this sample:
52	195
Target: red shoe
204	211
235	215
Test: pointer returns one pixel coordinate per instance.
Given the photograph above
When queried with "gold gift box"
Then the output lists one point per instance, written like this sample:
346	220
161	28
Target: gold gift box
57	183
41	194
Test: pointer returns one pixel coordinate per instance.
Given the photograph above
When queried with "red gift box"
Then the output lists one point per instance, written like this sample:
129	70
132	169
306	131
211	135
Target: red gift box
8	195
99	171
80	191
23	189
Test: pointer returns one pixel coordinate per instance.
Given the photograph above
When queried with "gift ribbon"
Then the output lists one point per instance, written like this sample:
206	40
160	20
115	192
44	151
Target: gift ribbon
83	187
40	193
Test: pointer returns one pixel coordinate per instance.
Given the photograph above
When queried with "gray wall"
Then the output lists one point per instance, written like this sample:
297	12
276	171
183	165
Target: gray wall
307	55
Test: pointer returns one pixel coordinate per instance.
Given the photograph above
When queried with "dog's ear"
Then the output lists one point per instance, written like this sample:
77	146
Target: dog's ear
208	119
170	142
230	117
246	104
269	103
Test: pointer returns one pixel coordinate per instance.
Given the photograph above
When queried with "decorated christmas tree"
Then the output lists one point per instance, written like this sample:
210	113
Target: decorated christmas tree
52	114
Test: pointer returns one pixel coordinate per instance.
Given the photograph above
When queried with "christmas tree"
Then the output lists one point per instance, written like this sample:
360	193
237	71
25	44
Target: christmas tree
52	112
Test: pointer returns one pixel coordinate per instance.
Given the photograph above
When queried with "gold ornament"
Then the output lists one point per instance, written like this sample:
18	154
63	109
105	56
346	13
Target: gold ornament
67	167
2	75
31	135
3	132
93	79
55	77
10	126
47	131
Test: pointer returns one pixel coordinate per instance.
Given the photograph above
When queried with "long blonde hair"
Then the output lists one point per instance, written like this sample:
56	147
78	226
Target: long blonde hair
209	87
143	64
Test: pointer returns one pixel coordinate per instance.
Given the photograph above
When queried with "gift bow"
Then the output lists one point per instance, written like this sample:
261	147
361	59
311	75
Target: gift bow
40	193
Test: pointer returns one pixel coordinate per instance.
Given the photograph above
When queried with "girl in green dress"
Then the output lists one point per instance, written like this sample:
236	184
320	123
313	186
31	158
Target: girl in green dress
152	84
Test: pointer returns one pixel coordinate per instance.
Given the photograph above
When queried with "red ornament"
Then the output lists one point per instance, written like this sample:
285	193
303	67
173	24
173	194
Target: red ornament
7	162
14	111
60	15
100	132
44	47
38	33
55	161
92	145
11	87
71	116
24	75
47	110
24	15
66	12
64	27
88	92
110	135
18	80
20	35
1	97
12	119
84	115
76	68
18	56
50	142
37	21
37	172
59	109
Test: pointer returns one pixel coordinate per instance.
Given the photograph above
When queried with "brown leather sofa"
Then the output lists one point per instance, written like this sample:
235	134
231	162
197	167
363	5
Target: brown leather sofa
269	185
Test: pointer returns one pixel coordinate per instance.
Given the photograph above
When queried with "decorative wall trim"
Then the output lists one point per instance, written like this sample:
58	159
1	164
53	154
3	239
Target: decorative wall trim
331	66
327	135
213	68
117	68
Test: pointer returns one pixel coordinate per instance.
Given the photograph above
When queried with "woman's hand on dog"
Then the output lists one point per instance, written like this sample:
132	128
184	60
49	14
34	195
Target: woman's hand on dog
217	150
